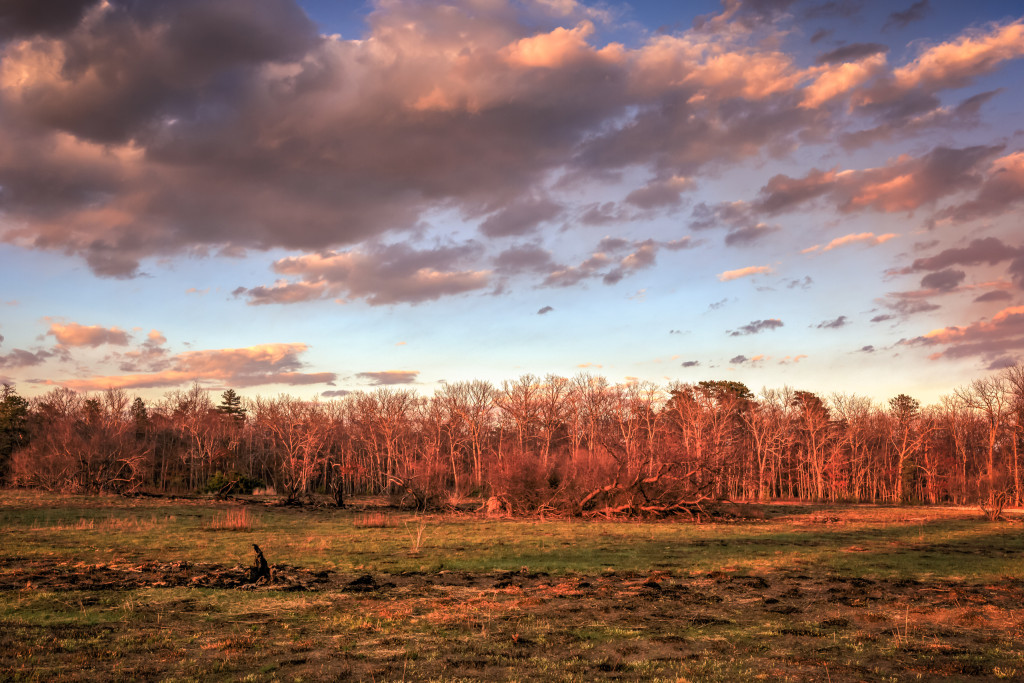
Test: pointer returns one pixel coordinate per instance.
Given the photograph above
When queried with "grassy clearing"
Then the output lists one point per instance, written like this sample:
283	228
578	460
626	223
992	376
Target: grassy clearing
98	588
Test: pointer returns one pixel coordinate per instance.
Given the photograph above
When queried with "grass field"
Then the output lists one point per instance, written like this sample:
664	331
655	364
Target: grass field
106	588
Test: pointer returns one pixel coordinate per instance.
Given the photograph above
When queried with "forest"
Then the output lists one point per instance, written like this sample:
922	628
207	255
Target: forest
578	446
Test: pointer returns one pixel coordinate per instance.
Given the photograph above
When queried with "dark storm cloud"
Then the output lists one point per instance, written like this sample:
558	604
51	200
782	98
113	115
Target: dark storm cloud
756	326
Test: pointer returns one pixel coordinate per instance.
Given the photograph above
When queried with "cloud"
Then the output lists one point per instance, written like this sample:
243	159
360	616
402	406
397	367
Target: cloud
521	217
738	360
900	19
660	193
690	363
20	358
868	238
749	271
546	309
240	367
335	393
611	268
74	334
388	377
523	258
851	53
750	234
756	326
379	274
835	324
28	17
985	250
995	295
943	280
1002	189
991	340
867	349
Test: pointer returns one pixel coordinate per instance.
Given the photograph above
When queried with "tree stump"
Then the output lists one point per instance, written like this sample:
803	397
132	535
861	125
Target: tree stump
260	570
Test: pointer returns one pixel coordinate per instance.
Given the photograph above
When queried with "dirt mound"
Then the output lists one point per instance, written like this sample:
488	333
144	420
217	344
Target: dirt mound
56	576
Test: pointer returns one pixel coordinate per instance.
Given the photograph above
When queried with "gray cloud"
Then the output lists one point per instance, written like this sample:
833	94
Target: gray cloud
389	377
546	309
756	326
851	53
738	360
995	295
31	17
690	363
19	358
943	280
521	217
834	324
900	19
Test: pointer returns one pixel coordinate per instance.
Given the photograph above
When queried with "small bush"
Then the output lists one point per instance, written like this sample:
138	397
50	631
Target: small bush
242	484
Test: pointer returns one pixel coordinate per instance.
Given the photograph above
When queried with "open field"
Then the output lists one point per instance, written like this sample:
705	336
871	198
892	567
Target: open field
115	588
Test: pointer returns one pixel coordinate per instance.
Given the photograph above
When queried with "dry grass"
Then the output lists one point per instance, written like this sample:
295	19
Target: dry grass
374	520
233	520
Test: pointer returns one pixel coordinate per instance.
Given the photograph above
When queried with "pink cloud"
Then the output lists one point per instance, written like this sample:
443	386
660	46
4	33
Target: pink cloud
744	272
241	367
73	334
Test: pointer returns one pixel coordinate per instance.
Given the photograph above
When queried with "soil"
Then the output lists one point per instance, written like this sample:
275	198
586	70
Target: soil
786	625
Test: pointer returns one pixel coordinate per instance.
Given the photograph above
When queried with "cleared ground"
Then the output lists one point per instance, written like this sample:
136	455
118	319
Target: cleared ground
101	588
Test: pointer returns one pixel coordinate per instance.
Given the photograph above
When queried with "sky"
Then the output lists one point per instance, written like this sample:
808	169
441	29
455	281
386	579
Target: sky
324	196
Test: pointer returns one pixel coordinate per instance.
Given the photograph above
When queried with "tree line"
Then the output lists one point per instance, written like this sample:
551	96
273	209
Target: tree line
576	445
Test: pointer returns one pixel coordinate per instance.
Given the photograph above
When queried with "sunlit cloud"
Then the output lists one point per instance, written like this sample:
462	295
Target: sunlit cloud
74	334
749	271
242	367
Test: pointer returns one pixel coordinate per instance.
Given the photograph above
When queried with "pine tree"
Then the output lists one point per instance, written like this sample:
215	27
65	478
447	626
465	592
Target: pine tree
231	405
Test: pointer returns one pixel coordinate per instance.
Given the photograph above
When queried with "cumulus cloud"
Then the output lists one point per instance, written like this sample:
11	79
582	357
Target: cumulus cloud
74	334
389	377
240	367
756	326
379	274
236	126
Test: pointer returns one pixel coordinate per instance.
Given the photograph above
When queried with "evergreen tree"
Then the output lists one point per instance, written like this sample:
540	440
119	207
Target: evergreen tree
13	425
231	405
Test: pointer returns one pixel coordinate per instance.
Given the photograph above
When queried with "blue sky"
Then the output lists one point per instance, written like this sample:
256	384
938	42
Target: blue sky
322	197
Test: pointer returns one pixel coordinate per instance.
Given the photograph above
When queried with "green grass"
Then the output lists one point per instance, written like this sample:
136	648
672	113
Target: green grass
710	619
873	542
